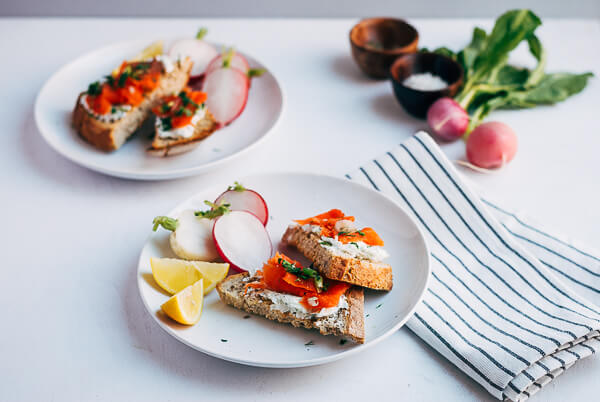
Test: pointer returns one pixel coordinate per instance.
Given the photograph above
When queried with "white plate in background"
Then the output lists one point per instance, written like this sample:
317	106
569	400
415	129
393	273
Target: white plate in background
56	100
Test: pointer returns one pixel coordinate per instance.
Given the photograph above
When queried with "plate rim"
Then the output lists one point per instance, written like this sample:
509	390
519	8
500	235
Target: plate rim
175	173
307	362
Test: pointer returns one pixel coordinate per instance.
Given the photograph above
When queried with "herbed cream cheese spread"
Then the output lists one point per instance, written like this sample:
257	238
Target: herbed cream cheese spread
186	131
289	303
117	112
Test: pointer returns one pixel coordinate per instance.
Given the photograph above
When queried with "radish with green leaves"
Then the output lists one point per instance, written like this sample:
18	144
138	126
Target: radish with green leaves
191	232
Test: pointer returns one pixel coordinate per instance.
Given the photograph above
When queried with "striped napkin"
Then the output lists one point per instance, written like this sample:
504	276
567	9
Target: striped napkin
508	303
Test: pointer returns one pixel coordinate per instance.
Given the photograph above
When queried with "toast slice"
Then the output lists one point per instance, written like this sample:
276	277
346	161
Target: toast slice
175	146
110	135
373	275
346	322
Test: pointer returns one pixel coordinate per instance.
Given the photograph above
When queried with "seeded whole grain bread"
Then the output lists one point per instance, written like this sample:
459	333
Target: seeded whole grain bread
175	146
109	136
347	322
373	275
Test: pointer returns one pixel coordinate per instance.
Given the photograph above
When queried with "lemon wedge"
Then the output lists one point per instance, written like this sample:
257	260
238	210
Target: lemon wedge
186	306
173	275
149	52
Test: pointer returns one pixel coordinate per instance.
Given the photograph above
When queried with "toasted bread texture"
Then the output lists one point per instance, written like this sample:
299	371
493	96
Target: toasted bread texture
373	275
175	146
347	322
109	136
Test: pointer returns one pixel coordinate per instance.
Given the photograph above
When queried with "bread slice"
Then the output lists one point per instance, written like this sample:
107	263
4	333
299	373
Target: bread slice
174	146
347	322
109	136
373	275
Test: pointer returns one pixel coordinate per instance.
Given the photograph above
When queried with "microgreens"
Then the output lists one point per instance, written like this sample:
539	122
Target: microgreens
215	210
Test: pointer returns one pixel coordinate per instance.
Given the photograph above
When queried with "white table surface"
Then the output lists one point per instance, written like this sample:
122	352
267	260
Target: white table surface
73	325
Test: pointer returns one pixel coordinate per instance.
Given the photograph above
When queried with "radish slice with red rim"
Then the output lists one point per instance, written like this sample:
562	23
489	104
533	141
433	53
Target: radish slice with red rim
242	199
237	61
242	240
227	92
200	52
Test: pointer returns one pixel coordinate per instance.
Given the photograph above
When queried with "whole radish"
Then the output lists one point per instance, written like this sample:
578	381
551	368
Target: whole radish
491	145
447	119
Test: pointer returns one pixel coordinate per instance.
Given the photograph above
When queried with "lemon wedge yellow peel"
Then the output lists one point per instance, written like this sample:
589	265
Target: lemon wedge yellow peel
173	275
186	306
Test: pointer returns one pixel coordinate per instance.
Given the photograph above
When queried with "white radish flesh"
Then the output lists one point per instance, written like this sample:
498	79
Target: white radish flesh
237	61
193	240
227	92
200	52
242	241
245	200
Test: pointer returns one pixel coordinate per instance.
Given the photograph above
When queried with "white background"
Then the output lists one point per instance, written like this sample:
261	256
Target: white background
73	325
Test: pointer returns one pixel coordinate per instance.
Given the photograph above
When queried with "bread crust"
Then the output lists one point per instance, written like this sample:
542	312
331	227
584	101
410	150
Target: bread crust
372	275
109	136
348	322
167	147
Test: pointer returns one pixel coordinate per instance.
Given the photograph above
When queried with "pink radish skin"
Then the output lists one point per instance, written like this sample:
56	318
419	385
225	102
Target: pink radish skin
227	92
237	61
242	240
246	200
447	119
491	145
200	52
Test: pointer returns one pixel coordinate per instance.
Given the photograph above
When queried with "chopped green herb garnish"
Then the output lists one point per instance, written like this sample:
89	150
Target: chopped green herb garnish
304	273
246	317
255	72
223	340
113	110
165	222
368	315
94	88
237	186
309	343
325	243
123	78
360	233
187	112
343	341
379	305
354	243
215	210
166	123
110	80
201	33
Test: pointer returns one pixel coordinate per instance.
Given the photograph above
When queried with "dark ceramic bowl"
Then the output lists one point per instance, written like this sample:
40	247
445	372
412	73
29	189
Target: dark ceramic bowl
417	102
377	42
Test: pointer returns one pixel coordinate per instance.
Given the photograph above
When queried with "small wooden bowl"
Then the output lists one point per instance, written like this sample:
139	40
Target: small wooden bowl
377	42
417	102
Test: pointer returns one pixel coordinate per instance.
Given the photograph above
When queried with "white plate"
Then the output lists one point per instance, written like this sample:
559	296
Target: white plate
224	333
56	100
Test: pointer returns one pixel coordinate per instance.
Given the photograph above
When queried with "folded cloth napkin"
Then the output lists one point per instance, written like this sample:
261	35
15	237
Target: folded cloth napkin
508	303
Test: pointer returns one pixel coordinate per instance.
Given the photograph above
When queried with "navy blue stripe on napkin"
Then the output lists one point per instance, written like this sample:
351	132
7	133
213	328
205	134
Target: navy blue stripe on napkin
509	303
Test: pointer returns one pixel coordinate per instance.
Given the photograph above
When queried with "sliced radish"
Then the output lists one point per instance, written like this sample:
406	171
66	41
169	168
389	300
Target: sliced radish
242	241
227	93
200	52
237	61
245	200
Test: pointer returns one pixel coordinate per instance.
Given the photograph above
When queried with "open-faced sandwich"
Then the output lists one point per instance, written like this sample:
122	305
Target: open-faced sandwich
110	111
284	291
182	121
341	251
